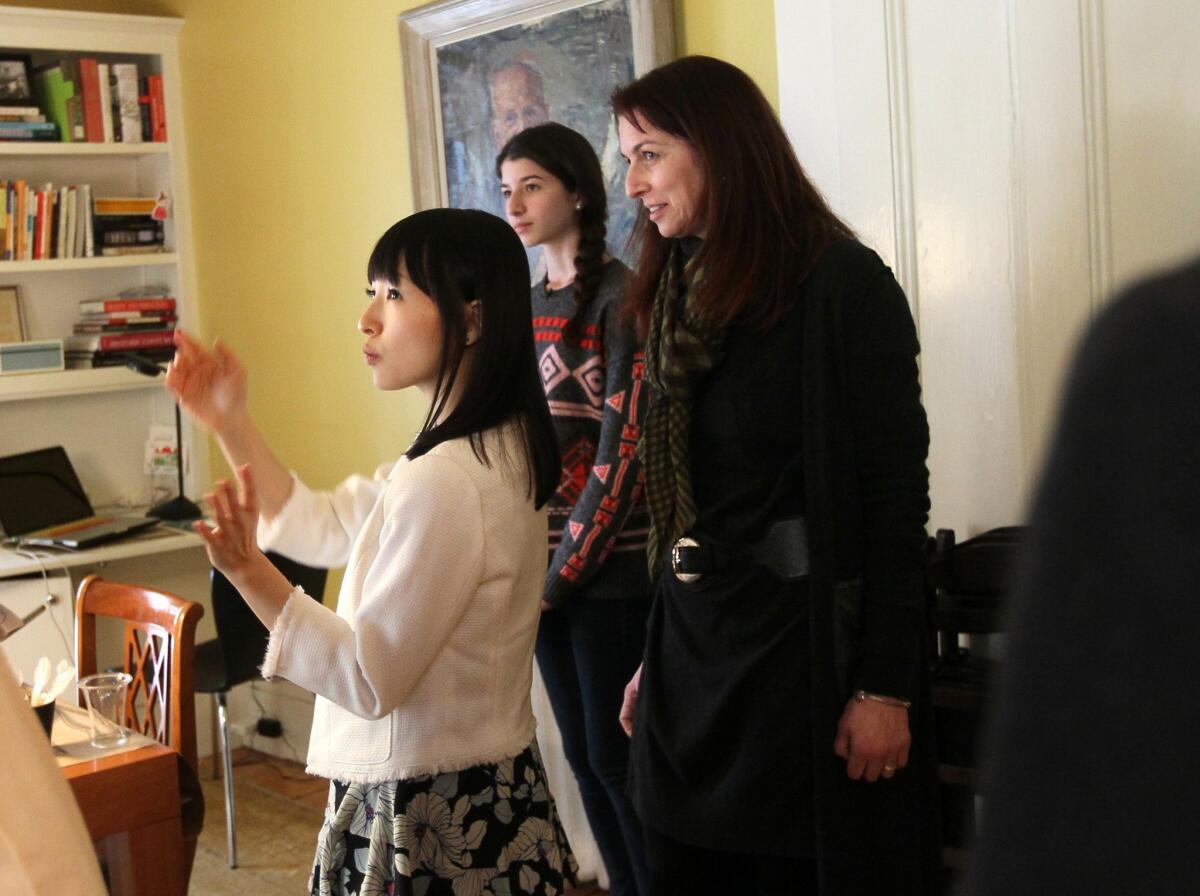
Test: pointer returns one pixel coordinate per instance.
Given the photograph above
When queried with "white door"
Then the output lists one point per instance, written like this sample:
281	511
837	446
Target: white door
1014	161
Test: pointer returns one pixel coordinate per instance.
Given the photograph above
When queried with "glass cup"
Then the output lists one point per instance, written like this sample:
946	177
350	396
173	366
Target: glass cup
105	696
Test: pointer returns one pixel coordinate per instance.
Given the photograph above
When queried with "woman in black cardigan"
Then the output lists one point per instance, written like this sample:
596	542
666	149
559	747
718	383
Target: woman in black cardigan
778	721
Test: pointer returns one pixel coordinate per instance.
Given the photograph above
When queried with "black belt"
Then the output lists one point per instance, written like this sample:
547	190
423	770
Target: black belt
783	550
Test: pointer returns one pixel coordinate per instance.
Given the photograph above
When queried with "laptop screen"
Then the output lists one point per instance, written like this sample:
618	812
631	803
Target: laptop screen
39	489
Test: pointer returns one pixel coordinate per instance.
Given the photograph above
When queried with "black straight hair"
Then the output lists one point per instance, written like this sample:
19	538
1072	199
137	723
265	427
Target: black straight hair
569	156
456	257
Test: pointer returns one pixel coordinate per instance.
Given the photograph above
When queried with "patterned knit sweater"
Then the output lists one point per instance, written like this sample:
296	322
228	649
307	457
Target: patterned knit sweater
598	516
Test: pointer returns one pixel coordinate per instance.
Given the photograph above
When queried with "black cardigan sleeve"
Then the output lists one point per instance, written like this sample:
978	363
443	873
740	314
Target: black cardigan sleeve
890	439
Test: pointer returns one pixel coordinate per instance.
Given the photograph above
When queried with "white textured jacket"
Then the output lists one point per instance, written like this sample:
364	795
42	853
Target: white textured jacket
426	664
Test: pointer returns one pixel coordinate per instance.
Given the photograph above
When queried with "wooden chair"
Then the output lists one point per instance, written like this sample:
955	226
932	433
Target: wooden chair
157	651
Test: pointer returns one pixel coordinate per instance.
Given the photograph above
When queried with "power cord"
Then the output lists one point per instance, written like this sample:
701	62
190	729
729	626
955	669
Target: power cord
51	598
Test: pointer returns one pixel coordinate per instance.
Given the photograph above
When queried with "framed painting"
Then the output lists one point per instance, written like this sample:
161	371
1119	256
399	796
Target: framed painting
12	321
16	80
478	71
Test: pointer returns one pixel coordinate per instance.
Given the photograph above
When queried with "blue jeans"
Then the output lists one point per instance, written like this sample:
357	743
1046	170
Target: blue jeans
587	651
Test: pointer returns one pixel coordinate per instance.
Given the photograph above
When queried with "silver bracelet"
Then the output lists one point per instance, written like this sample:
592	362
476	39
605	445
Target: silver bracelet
860	696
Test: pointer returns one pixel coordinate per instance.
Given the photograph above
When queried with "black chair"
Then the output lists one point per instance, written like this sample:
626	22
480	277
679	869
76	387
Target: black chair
235	656
969	583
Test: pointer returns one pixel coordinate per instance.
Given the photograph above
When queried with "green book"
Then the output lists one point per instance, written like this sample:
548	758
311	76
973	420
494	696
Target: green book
55	90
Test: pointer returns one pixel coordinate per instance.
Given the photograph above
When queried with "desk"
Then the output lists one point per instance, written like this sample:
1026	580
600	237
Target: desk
163	557
130	802
159	540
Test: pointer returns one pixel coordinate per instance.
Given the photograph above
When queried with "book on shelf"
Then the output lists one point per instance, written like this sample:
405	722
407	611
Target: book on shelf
22	113
89	87
39	224
119	251
28	130
62	249
158	114
126	317
87	328
151	206
75	118
55	88
71	230
129	231
111	342
53	222
88	360
9	114
89	236
125	75
106	118
123	304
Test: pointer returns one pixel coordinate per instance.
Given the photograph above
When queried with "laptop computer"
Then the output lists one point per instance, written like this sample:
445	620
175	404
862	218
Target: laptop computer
43	504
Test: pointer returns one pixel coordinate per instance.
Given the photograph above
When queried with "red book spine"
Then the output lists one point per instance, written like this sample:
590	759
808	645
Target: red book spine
93	118
38	226
158	114
120	341
128	305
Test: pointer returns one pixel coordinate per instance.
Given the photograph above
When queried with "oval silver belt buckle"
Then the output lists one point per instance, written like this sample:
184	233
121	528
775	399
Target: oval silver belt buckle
683	542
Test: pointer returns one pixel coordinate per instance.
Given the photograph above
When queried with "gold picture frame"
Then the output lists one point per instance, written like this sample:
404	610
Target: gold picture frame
464	59
12	318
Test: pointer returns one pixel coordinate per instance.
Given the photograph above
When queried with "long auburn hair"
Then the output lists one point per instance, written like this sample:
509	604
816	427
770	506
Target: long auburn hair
456	257
765	223
568	156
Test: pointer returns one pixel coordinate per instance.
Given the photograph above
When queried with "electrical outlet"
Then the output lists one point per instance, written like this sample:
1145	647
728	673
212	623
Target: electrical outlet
238	733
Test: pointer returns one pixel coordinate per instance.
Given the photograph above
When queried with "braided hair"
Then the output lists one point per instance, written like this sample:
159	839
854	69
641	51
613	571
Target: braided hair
568	156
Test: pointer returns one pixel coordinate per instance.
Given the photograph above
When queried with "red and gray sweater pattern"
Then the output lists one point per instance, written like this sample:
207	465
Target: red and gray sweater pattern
598	516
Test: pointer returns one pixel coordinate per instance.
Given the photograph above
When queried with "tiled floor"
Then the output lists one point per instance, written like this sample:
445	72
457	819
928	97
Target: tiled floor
279	810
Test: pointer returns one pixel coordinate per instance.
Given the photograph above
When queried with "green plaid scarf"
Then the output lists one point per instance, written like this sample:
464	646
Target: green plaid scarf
680	348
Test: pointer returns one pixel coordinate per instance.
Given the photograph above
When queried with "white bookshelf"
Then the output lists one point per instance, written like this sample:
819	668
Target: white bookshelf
67	150
101	416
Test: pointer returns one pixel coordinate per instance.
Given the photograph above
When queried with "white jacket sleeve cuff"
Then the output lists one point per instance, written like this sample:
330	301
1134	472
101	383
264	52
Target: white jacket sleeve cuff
279	634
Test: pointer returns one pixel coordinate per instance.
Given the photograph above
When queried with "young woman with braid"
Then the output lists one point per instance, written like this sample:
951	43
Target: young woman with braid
596	597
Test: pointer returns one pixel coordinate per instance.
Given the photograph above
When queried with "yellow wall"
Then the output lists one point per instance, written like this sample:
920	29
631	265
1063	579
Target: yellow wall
298	157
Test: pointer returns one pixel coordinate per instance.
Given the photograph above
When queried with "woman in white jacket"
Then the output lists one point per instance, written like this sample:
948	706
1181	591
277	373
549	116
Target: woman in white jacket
422	716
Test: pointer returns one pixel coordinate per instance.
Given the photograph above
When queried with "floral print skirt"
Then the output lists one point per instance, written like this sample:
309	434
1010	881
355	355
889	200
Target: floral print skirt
489	830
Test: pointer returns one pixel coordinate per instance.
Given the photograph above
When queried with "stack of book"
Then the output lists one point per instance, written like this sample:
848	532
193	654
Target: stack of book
129	226
108	329
51	222
26	123
98	103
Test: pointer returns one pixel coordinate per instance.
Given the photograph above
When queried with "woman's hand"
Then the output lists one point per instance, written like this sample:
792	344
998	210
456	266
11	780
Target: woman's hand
209	385
232	548
873	738
231	544
629	705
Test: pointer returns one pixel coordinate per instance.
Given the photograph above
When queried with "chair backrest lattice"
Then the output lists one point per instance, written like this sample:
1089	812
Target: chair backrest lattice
148	661
159	640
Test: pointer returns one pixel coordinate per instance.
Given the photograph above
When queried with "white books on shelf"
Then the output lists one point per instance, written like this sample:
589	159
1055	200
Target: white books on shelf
105	101
60	236
80	219
126	76
89	242
71	230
